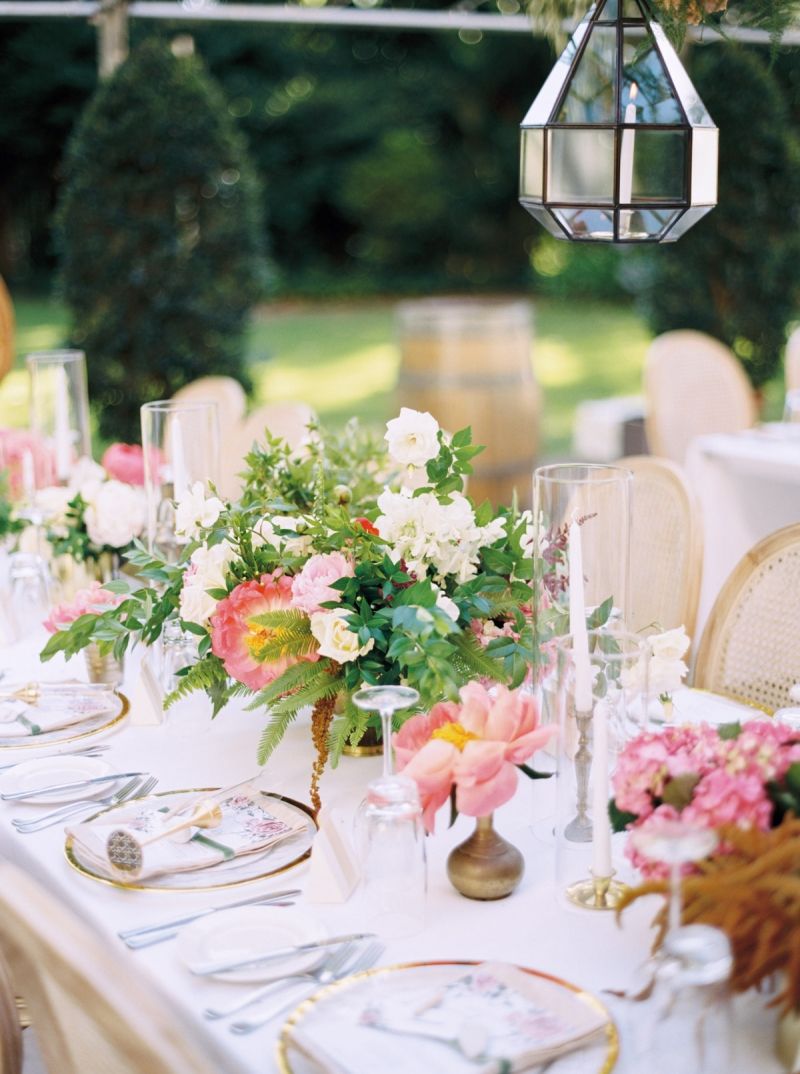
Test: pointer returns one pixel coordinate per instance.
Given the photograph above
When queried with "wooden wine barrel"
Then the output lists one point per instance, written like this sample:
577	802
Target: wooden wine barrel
6	330
468	362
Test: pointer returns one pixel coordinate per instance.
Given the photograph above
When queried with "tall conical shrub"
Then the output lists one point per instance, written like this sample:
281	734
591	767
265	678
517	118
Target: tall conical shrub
160	235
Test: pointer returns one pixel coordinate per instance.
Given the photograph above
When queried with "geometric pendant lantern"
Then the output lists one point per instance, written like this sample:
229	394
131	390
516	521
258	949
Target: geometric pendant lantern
618	147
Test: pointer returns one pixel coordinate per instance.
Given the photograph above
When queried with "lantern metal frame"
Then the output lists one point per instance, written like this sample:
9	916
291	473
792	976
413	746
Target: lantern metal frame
698	193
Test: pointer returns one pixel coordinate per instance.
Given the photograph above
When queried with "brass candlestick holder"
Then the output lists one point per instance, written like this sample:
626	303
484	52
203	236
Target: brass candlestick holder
597	892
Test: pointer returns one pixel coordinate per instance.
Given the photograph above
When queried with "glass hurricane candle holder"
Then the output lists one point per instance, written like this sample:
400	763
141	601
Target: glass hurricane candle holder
594	723
59	408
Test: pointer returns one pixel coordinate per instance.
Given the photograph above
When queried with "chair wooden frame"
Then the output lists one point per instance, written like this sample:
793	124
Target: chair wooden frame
10	1032
666	471
709	670
61	967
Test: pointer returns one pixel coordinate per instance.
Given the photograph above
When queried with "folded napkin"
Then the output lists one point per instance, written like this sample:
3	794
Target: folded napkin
490	1019
51	712
247	827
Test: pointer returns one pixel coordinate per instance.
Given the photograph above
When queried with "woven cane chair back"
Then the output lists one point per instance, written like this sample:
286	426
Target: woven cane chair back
693	385
666	546
226	392
750	648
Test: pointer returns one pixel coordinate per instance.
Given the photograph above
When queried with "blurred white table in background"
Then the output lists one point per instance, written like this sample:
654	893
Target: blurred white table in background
748	485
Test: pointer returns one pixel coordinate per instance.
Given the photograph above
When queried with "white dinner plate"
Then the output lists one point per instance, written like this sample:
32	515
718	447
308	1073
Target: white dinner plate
690	705
52	771
230	935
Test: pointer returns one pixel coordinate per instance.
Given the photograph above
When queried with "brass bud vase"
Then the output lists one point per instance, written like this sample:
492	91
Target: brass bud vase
102	668
485	866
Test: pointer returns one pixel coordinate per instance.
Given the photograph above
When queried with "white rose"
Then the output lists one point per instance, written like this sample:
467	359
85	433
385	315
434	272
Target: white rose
86	471
115	515
206	571
665	676
446	604
413	438
671	645
53	502
195	511
336	639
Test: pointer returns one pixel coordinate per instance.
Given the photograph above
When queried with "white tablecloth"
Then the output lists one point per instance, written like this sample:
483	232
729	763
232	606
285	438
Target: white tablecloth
530	928
748	485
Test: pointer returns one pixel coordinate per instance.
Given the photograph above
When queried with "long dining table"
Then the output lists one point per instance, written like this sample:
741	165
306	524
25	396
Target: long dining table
530	928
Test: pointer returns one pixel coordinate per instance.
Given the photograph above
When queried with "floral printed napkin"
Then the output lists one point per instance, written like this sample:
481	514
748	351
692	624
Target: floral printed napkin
490	1019
51	712
247	827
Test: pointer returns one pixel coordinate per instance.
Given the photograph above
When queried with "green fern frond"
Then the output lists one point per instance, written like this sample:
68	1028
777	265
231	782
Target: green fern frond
282	619
272	734
294	678
282	644
208	674
308	695
474	660
349	727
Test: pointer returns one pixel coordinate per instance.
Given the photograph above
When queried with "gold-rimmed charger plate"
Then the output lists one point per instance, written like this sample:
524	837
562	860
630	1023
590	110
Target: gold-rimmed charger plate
605	1050
74	732
245	869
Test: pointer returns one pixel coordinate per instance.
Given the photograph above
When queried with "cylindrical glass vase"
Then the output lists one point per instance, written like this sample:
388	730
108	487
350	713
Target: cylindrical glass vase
181	448
59	408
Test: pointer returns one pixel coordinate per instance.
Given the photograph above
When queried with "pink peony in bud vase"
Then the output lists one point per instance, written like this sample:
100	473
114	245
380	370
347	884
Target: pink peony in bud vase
125	462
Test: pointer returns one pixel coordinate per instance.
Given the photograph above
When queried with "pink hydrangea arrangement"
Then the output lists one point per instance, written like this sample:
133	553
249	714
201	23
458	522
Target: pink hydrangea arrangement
745	775
93	600
471	748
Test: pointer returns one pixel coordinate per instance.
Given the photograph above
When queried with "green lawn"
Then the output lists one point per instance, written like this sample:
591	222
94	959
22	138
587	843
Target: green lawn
343	359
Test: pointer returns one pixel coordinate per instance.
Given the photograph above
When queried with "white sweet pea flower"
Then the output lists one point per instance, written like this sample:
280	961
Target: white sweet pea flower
446	604
671	645
195	512
114	514
413	437
336	640
207	568
281	531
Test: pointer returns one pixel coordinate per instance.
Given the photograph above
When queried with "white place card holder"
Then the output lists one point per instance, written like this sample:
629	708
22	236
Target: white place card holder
147	699
334	874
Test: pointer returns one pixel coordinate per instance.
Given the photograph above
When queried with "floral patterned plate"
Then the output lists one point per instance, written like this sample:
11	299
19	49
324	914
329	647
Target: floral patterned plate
247	828
78	724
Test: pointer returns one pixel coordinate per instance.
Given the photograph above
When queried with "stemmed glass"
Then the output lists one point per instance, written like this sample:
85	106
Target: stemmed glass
389	830
675	843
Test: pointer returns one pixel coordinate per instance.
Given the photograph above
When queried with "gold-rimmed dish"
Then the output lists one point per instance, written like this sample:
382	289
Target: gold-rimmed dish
245	869
74	732
597	1055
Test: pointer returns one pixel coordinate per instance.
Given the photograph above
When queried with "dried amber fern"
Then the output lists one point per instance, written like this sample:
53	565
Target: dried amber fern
752	893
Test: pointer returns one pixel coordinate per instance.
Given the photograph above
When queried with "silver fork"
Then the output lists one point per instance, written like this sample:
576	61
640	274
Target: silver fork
329	966
133	789
87	751
368	957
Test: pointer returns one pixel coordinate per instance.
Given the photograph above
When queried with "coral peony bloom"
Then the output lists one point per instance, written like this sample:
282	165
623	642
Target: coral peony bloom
236	639
311	588
124	462
475	745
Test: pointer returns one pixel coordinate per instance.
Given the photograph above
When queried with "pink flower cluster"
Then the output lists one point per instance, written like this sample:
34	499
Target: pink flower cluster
474	746
726	779
125	462
95	599
15	445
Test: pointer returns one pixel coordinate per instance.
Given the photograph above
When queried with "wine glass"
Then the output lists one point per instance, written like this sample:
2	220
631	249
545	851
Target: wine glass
389	830
675	843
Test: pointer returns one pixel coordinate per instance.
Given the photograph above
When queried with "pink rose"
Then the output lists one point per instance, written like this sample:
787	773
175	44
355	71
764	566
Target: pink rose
125	462
95	599
311	588
237	640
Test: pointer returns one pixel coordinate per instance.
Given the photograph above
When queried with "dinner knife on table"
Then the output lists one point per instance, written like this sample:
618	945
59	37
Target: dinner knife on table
281	952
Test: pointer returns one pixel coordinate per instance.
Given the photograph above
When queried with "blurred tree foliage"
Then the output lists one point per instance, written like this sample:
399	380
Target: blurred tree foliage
161	234
736	275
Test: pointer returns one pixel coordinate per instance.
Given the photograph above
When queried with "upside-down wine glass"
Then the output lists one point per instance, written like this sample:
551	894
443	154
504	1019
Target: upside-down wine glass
389	830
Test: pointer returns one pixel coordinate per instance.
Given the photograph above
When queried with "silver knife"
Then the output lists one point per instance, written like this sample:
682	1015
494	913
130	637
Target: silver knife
281	952
175	923
18	796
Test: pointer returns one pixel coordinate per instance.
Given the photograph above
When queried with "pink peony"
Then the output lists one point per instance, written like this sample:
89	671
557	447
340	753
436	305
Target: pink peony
236	640
475	745
94	599
15	444
311	588
125	462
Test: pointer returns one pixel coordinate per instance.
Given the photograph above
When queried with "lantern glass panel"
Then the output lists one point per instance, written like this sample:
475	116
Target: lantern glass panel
580	165
609	12
689	219
543	217
659	166
704	166
532	164
631	10
591	224
592	90
641	224
694	108
548	96
653	99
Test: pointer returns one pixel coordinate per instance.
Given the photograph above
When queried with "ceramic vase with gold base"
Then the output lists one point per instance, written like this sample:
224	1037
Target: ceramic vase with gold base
485	866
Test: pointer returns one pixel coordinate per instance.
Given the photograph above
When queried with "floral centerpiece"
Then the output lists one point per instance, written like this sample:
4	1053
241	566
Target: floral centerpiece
350	561
747	775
